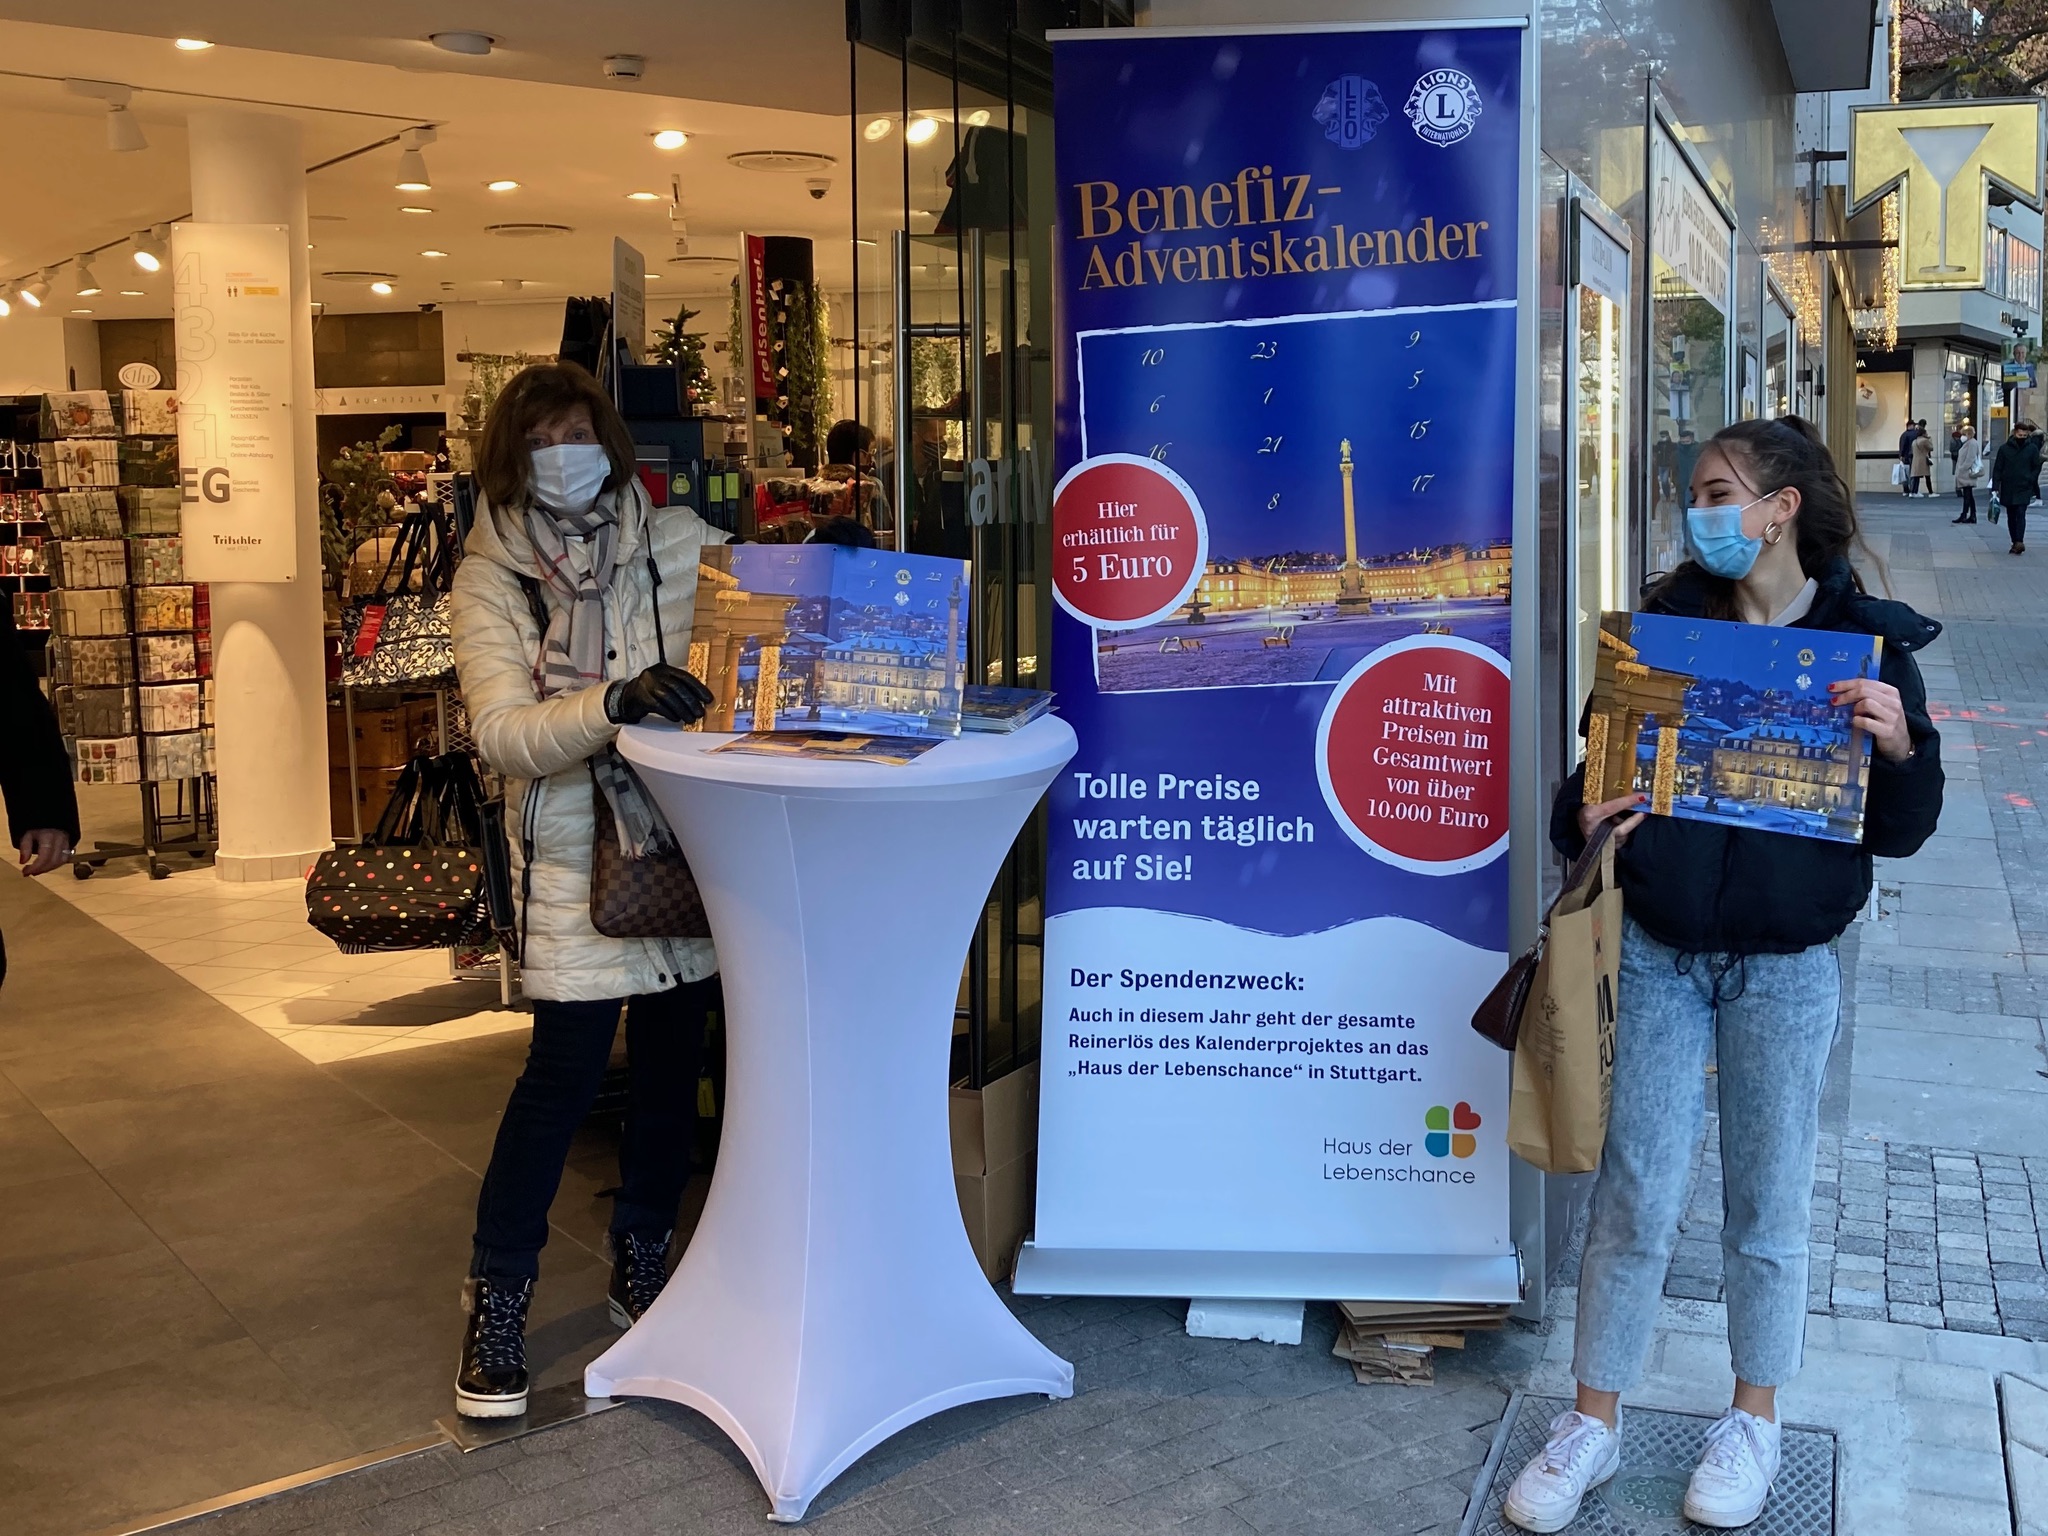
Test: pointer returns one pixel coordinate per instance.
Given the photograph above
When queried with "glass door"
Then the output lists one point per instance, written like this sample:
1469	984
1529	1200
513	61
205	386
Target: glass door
1596	562
953	219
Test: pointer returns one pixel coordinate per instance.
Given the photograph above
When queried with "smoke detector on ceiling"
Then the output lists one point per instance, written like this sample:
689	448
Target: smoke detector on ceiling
625	66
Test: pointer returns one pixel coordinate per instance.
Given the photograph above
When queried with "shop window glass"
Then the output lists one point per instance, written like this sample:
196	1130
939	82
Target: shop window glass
1691	267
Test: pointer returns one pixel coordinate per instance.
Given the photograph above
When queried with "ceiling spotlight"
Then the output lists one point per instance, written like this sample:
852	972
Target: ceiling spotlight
412	165
434	255
978	118
922	130
501	186
671	138
191	44
146	246
643	197
133	293
6	309
33	293
81	311
88	280
410	209
381	289
472	44
878	129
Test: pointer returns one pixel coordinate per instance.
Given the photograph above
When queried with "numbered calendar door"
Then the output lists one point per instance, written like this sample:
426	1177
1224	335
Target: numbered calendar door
1596	564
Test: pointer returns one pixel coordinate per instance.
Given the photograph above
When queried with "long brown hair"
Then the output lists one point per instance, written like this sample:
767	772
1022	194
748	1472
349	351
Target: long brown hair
534	395
1787	453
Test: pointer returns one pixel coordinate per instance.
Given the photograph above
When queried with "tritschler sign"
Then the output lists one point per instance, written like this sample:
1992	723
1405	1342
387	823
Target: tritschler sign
232	286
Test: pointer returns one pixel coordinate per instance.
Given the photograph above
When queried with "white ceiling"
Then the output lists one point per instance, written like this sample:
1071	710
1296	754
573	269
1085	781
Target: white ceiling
576	149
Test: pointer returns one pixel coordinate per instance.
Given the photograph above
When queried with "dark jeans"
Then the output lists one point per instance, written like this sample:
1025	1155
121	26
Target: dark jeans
564	1069
2016	521
1969	495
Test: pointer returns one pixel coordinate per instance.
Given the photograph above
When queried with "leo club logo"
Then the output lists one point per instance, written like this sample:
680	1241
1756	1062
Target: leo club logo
1450	1130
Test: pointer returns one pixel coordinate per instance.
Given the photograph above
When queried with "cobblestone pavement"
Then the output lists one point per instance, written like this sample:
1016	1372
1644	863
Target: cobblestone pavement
1164	1433
1942	1238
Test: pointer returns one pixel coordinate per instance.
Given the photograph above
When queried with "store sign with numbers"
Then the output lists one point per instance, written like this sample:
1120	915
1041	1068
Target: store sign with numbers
232	318
1288	266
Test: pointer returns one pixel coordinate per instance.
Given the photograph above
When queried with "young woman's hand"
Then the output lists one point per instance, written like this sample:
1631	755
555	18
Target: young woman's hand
1590	816
1878	711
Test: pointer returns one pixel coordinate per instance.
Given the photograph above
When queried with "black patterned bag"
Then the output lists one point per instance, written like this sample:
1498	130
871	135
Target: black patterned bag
419	881
399	632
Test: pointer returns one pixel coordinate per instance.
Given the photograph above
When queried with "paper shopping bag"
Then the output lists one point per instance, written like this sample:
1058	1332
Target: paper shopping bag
1564	1058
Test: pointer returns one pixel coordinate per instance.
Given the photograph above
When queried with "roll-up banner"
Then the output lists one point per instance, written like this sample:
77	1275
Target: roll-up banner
1287	268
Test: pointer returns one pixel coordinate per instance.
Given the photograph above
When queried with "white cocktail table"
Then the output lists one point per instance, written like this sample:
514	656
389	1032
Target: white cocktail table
829	1297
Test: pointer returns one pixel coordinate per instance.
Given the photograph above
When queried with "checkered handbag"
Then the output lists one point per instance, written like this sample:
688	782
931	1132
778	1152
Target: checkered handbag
418	882
651	897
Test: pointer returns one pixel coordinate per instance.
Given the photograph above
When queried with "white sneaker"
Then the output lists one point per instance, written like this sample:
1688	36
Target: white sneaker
1733	1479
1582	1453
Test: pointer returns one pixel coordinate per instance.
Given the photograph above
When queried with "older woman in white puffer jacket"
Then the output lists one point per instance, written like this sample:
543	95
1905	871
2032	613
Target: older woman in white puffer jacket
565	531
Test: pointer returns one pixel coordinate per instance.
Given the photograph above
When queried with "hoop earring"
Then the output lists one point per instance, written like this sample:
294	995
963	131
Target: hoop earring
1777	529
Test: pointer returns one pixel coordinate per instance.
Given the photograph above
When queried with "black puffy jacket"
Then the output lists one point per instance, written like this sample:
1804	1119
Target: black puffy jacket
1704	888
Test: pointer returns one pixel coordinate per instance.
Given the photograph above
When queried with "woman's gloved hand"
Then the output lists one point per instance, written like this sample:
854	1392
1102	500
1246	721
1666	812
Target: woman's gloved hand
661	690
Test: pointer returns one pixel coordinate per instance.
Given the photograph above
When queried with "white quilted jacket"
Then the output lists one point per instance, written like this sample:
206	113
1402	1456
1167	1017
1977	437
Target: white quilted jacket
542	746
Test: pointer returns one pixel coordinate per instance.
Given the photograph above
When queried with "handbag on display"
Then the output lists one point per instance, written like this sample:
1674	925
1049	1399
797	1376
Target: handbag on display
421	880
653	896
398	634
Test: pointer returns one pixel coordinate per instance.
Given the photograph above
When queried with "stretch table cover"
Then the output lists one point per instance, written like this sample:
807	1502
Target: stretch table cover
829	1296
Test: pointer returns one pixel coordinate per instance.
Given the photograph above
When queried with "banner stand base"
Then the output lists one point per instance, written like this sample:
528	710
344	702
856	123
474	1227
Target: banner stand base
1236	1276
1270	1322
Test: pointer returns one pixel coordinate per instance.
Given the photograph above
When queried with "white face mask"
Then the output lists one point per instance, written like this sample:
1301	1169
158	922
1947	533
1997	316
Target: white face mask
568	476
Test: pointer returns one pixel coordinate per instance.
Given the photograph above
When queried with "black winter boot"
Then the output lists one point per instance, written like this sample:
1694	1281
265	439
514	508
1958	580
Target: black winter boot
639	1271
492	1380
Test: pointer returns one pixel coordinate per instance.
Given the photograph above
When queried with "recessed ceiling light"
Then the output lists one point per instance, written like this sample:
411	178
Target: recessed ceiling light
501	186
191	44
382	290
410	209
650	276
643	197
133	293
6	309
436	255
81	311
878	129
474	44
922	130
671	138
978	118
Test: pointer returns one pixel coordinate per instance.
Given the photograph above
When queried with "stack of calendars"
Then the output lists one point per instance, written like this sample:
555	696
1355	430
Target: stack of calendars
1001	709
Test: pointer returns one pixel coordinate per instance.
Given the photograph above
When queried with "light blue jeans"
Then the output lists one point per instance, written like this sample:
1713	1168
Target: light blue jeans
1769	1021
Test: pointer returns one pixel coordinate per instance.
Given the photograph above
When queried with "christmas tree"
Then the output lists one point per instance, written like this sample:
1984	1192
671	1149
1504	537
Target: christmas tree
684	350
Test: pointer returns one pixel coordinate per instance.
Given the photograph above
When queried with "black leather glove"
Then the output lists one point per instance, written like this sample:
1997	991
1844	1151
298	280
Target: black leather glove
661	690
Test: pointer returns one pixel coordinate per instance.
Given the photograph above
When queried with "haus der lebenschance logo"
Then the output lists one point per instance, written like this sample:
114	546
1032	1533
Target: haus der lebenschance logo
1450	1130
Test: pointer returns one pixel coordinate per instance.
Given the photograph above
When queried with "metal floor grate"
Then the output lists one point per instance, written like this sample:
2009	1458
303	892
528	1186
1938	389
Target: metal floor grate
1658	1451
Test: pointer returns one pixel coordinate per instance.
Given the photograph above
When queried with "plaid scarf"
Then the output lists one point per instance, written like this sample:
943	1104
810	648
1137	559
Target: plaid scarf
576	553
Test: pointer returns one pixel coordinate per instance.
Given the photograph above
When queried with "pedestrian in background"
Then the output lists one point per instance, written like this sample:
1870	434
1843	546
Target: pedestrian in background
1920	471
35	770
1902	476
1969	466
2016	480
1728	955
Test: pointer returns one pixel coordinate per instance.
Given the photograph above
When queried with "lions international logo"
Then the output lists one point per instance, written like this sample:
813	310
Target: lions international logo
1443	106
1351	111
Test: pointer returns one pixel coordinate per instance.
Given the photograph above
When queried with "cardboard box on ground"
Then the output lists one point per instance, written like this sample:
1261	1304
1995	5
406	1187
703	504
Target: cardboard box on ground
995	1165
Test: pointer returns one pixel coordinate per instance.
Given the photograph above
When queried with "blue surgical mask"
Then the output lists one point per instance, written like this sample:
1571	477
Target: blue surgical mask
1715	536
568	476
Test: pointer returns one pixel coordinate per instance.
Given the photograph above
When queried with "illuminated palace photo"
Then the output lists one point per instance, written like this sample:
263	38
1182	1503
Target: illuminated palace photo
1305	616
823	637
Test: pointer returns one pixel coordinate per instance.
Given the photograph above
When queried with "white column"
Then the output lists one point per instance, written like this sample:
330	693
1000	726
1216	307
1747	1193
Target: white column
269	678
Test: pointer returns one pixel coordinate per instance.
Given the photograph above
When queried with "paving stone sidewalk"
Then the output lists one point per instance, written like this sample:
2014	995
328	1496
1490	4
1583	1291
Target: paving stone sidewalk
1164	1433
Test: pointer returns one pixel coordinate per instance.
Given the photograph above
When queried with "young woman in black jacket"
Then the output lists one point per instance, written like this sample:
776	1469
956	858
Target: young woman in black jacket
1728	955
